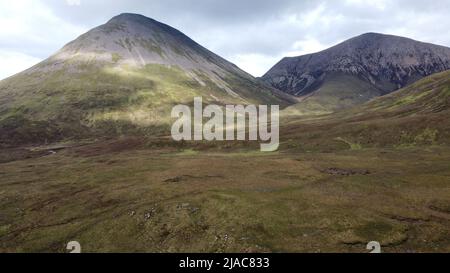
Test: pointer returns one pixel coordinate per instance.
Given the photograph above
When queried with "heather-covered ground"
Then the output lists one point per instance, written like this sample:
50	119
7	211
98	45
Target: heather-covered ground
130	196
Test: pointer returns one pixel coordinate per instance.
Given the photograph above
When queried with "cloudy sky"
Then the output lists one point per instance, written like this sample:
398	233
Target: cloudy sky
254	34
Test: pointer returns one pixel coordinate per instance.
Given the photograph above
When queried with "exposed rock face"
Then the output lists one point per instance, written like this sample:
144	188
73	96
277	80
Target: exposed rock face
387	62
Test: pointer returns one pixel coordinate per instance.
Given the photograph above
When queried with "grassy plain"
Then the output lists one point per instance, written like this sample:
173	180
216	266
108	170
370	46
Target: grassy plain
154	196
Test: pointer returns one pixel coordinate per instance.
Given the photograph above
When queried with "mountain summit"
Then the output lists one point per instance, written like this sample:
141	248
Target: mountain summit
357	70
119	78
137	41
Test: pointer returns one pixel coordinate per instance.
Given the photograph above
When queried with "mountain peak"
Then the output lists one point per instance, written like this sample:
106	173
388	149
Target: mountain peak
373	63
139	24
137	40
132	17
374	35
378	41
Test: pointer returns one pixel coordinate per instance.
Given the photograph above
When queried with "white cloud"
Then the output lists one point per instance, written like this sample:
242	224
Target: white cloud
73	2
377	4
306	46
13	62
30	32
255	64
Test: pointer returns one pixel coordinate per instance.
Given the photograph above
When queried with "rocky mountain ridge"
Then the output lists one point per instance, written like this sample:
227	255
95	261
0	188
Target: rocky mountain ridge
387	62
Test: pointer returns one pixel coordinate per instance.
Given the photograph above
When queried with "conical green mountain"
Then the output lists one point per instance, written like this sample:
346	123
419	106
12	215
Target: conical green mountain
122	77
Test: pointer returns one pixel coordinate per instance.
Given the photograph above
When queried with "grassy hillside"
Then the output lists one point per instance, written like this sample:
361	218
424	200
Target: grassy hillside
430	95
376	173
108	101
414	116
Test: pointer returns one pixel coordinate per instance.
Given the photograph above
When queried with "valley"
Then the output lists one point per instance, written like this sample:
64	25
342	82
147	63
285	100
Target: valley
134	196
86	152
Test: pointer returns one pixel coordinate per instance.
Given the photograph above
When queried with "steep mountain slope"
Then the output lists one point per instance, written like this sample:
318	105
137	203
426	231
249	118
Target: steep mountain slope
119	78
415	115
378	64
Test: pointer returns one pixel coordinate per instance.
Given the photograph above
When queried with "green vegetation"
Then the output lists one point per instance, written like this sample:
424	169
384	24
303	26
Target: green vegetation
122	196
414	116
115	57
85	155
83	100
353	146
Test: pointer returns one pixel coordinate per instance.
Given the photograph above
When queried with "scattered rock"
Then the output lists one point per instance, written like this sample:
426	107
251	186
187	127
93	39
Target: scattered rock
149	214
174	180
407	219
187	177
194	210
183	206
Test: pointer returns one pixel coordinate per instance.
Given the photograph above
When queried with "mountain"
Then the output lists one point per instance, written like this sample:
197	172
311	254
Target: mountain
122	77
356	71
